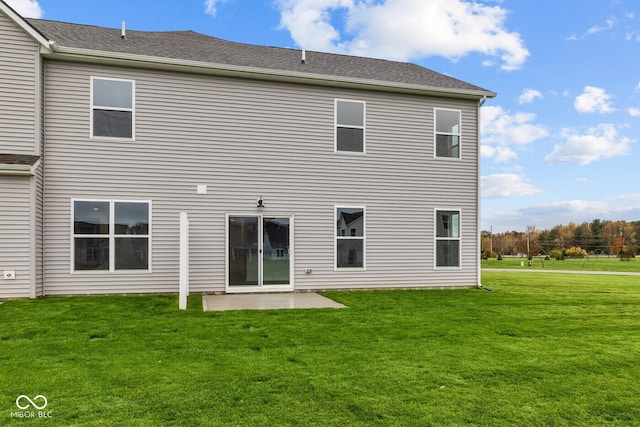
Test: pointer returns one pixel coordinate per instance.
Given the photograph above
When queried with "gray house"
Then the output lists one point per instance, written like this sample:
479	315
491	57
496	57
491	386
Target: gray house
297	170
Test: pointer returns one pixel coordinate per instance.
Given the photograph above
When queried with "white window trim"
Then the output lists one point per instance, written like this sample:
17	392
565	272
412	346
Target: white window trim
111	236
436	239
348	237
98	107
363	127
436	133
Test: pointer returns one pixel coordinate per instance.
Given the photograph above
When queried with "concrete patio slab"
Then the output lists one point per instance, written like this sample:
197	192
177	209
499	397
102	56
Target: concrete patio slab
267	301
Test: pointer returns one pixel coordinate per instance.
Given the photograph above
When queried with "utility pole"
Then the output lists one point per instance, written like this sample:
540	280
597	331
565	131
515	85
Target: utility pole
530	229
491	240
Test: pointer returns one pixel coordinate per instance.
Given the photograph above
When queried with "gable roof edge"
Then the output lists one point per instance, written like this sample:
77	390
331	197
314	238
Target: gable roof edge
48	45
227	70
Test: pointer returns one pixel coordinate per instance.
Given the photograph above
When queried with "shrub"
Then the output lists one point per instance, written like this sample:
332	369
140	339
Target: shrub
488	254
576	252
556	254
626	255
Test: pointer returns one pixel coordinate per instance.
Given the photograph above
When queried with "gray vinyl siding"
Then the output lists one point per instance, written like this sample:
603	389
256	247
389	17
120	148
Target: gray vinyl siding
37	235
244	139
20	133
18	89
15	232
38	197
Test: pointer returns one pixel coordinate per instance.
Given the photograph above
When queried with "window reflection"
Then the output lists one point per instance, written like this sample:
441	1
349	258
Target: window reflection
91	218
350	224
132	218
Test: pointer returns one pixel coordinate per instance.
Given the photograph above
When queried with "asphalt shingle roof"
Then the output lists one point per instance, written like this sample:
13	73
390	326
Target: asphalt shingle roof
18	159
192	46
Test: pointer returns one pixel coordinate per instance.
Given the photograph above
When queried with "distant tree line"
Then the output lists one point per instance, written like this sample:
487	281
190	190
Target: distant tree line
598	237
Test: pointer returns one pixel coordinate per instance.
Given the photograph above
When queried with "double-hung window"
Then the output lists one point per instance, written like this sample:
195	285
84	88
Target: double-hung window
447	133
112	108
447	238
350	126
111	235
350	237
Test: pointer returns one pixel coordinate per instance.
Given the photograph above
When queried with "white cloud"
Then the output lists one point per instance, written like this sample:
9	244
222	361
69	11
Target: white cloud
501	130
601	142
404	29
211	6
499	154
610	23
503	185
27	8
593	100
631	197
634	112
547	215
309	22
573	207
528	96
501	127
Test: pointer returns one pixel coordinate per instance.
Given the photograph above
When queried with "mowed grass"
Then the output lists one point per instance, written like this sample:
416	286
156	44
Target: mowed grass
578	264
543	349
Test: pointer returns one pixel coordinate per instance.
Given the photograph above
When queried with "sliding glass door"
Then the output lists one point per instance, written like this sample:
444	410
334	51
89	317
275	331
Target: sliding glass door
243	251
259	251
276	256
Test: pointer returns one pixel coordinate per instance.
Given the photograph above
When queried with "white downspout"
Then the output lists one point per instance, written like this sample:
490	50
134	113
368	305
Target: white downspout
478	257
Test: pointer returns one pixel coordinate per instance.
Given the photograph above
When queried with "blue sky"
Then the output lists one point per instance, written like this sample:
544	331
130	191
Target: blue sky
560	142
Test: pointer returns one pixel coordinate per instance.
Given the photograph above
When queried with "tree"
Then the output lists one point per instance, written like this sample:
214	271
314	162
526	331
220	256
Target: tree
545	241
597	237
611	239
635	230
582	236
598	244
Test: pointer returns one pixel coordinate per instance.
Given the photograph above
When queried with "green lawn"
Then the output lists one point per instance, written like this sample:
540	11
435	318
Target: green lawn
543	349
580	264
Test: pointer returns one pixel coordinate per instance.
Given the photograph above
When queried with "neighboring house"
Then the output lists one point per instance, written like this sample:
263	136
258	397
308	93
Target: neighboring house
368	170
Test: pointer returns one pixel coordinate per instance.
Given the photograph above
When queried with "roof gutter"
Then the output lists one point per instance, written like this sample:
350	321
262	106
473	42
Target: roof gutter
226	70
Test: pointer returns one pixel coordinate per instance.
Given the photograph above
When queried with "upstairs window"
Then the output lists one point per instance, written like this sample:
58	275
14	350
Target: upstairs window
112	108
350	126
350	237
447	238
447	133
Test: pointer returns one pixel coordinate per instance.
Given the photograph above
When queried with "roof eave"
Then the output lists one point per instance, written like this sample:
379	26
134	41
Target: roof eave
199	67
28	28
